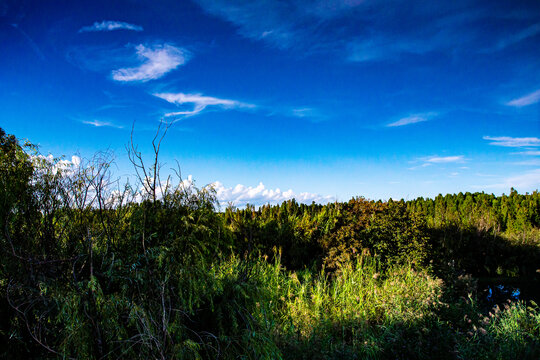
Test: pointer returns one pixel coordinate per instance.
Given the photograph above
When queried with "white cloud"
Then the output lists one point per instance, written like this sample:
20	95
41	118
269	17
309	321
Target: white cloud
377	47
241	195
109	25
56	164
443	159
303	112
99	123
372	30
517	37
529	153
528	99
413	119
508	141
533	162
200	102
434	160
30	41
275	22
308	113
156	61
528	181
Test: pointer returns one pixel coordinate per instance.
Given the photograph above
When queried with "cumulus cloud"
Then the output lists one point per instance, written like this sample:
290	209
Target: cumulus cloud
413	119
199	102
241	195
56	164
528	99
109	25
156	61
508	141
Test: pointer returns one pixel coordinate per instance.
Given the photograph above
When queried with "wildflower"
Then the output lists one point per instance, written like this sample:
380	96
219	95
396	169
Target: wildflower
376	276
482	331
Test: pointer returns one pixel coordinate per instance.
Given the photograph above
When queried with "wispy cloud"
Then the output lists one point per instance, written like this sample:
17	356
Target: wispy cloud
377	47
156	61
516	38
362	31
526	100
199	103
435	159
279	23
443	159
308	113
528	181
508	141
529	153
31	42
303	112
99	123
413	119
241	195
533	162
109	25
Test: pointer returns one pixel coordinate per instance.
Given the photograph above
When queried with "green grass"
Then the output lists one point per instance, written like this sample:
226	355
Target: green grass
361	312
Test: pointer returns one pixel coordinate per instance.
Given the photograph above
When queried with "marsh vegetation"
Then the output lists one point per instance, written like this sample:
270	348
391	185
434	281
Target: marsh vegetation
92	268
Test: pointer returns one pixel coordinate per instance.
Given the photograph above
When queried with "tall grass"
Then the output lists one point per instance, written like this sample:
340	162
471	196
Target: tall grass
512	332
363	312
362	294
355	312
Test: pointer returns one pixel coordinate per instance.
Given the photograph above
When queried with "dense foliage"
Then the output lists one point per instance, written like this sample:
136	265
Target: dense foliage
91	268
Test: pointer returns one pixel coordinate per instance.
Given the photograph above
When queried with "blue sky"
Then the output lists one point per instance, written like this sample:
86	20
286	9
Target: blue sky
318	100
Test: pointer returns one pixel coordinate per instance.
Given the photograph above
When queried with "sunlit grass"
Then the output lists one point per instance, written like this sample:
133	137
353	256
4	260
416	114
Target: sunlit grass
363	312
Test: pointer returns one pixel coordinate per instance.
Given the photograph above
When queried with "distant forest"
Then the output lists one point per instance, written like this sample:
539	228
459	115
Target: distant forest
91	268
